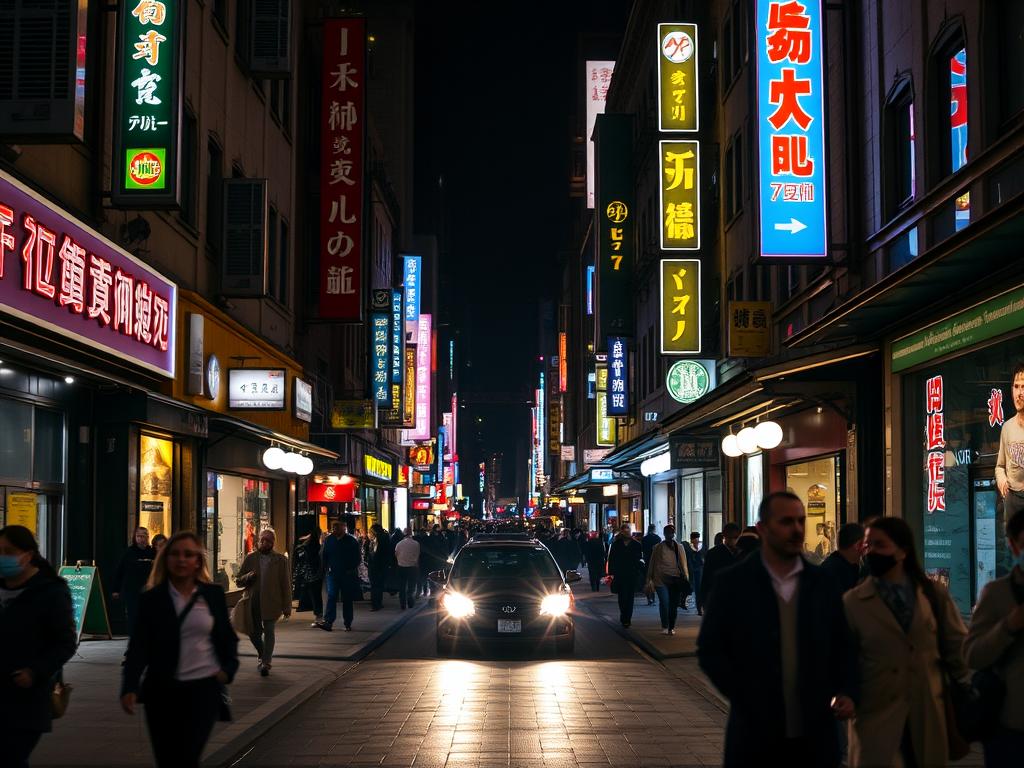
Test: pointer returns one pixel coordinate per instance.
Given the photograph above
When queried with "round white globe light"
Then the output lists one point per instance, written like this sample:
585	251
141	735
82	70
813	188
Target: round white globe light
307	466
292	462
746	439
729	446
769	434
273	458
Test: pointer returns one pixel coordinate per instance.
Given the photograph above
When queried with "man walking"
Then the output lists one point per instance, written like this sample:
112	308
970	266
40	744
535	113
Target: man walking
625	564
264	574
649	542
596	557
341	558
421	538
844	563
695	562
407	553
773	642
132	573
1010	460
720	556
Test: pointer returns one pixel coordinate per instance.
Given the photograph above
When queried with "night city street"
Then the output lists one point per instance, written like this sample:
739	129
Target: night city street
427	383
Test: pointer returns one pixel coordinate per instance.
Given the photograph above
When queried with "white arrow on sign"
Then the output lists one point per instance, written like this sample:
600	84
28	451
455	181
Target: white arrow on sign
793	227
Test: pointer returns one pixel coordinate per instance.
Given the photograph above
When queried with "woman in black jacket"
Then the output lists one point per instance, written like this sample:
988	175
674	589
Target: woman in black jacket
625	565
188	650
595	555
381	563
37	635
309	575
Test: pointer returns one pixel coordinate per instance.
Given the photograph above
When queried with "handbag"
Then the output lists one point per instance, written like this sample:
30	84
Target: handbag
960	700
60	696
241	616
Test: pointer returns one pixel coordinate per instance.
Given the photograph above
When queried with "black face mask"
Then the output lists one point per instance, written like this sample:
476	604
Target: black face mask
879	565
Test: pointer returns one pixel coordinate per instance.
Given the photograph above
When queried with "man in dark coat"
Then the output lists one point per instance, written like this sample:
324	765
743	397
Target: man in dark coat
341	558
695	562
625	564
718	558
844	563
132	573
595	555
774	642
382	563
649	542
426	562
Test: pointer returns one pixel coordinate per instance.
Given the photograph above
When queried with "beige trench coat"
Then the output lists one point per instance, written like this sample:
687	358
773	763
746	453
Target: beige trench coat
900	678
662	552
276	596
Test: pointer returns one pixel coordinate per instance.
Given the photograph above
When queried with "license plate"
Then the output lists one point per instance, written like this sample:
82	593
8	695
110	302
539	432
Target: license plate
509	626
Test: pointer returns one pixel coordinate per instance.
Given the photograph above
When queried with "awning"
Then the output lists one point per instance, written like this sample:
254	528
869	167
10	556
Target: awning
583	480
232	425
635	451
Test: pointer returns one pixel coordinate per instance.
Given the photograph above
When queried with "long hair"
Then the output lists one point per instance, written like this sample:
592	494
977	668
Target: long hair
159	573
21	538
903	537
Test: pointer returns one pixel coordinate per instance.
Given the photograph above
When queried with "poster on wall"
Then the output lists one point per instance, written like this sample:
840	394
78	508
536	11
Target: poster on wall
156	484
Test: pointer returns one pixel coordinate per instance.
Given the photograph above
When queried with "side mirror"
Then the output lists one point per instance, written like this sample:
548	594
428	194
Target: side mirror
571	577
438	577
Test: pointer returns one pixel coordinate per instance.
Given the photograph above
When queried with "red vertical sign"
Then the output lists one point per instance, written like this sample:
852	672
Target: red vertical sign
342	130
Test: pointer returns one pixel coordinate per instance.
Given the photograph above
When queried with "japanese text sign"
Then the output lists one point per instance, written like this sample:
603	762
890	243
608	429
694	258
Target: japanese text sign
380	361
598	79
421	430
605	425
260	389
352	414
791	129
147	103
342	128
935	444
750	328
411	268
563	361
76	283
618	377
397	339
677	77
614	222
409	387
679	163
680	306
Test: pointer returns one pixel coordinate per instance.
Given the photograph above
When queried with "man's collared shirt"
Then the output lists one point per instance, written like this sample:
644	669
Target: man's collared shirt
785	586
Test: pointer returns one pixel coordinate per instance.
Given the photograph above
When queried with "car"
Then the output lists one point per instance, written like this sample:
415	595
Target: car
503	592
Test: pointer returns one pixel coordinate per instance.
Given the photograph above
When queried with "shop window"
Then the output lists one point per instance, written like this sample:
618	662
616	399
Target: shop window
15	441
156	484
237	510
691	514
48	447
817	483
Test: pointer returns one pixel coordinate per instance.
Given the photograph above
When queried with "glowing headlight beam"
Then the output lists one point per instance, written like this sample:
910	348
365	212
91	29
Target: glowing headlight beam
458	606
554	605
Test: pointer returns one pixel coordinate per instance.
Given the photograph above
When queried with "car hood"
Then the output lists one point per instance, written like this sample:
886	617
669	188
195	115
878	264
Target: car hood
478	589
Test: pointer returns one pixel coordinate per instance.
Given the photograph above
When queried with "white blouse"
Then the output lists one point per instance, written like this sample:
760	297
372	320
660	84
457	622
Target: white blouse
196	657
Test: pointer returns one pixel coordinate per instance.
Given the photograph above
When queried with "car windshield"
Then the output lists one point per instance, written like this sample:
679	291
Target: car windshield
505	563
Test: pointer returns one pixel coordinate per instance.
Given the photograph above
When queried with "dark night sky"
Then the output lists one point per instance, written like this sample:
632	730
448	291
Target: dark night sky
496	86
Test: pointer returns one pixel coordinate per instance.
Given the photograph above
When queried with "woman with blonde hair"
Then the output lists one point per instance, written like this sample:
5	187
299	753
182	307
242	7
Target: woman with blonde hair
185	645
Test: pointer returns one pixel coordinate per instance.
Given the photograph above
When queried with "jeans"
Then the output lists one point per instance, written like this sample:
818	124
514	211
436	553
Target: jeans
262	638
180	717
1004	749
626	592
314	593
18	744
408	576
668	605
331	610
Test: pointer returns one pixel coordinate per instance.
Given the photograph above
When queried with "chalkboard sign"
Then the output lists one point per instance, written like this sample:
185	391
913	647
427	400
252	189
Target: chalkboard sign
87	602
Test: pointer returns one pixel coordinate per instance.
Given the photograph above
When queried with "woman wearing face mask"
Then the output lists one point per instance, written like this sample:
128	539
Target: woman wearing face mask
666	574
37	636
894	619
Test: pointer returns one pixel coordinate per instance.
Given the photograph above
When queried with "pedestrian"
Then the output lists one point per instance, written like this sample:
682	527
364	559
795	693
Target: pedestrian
564	549
381	564
773	641
844	564
695	562
625	566
995	641
264	576
438	549
1009	466
187	649
649	542
341	558
309	574
908	635
596	558
422	582
668	576
748	542
132	574
407	554
158	543
37	636
720	557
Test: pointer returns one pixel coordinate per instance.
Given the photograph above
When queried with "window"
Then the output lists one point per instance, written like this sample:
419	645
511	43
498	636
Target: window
189	164
156	484
214	195
727	178
817	483
958	129
237	510
947	115
733	177
899	158
272	253
727	54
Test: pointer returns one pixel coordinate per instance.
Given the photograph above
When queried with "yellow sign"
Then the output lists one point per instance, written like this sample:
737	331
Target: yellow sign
602	378
21	510
680	195
605	426
377	467
156	484
677	77
352	414
680	307
750	328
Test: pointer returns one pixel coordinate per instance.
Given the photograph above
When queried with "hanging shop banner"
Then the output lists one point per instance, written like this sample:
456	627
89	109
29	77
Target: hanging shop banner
598	79
76	283
680	195
409	387
590	289
677	77
421	457
330	492
689	380
411	268
563	361
681	307
614	221
257	389
618	377
342	129
396	355
750	328
380	363
554	435
147	103
421	430
791	130
303	405
606	426
352	414
378	468
448	421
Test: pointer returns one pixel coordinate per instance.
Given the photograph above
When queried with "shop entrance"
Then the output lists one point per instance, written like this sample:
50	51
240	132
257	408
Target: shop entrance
818	483
39	512
237	509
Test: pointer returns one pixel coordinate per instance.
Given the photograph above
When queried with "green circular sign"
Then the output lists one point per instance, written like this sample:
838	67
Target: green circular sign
687	381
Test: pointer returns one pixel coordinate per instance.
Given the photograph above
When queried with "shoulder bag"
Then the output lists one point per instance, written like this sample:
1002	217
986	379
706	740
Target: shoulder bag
60	695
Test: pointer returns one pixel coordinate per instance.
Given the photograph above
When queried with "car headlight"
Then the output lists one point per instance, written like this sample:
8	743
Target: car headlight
458	606
554	605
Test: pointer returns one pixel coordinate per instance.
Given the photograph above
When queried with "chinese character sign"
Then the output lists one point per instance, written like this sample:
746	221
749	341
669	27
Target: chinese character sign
935	444
411	268
147	103
342	127
380	361
791	129
995	407
677	77
563	361
618	377
606	426
680	307
679	163
421	428
750	324
614	225
597	79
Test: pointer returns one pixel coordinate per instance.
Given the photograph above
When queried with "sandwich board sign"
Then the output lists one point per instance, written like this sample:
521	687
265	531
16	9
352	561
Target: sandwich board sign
88	605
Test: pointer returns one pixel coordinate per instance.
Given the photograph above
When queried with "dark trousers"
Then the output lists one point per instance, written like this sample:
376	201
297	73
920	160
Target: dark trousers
668	605
331	610
313	591
1005	749
626	590
131	609
180	717
408	577
595	578
695	578
16	744
378	582
422	583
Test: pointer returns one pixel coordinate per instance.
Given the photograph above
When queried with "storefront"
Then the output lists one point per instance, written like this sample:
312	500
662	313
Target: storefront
685	487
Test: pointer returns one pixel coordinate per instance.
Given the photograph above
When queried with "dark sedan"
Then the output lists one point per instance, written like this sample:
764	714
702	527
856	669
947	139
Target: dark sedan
505	592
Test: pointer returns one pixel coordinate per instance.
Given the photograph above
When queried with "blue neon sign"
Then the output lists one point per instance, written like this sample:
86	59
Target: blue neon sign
791	129
411	280
618	377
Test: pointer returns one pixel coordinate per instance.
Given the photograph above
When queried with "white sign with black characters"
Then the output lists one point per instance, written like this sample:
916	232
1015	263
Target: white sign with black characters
261	389
303	400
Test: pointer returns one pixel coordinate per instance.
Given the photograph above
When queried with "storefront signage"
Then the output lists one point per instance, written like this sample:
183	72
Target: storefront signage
260	389
606	426
594	455
681	307
680	195
601	475
446	420
76	283
378	468
147	103
689	380
411	268
352	414
618	377
563	361
330	492
88	604
303	400
396	353
590	289
687	452
212	375
677	77
380	362
568	453
409	387
342	130
935	444
421	430
750	328
196	328
598	79
984	321
791	129
614	221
